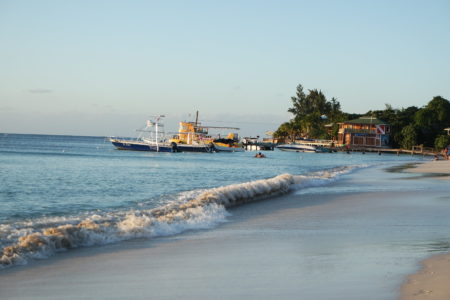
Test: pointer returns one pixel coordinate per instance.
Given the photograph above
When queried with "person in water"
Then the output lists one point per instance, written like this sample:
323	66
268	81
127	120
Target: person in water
260	155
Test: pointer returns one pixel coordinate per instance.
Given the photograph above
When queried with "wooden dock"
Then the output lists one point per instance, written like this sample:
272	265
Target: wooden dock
417	150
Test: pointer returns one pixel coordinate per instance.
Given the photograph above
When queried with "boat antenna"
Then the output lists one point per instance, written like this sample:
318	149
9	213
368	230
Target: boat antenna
196	119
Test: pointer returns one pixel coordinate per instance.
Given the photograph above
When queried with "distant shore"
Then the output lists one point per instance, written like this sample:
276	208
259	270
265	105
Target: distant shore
431	281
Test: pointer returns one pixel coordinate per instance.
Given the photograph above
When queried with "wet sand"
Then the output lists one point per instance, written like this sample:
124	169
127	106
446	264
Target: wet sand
432	281
436	168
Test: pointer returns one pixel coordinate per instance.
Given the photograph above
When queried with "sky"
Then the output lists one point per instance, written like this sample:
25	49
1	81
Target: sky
103	67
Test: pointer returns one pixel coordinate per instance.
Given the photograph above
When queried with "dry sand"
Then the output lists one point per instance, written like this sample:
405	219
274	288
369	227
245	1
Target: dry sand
432	281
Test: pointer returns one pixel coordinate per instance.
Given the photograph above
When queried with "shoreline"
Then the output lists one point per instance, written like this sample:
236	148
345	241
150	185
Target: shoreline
431	280
278	248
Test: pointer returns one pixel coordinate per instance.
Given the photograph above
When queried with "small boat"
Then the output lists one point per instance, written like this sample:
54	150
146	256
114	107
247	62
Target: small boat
228	144
151	138
308	145
297	148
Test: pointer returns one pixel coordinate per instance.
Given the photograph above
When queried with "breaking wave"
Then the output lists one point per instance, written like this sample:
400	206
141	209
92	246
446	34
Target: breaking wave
202	209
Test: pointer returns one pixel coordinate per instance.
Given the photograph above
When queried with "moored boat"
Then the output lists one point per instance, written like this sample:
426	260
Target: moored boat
150	138
308	145
297	148
228	144
137	145
195	137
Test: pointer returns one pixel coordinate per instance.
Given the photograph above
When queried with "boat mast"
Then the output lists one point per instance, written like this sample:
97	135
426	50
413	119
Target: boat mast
156	133
157	118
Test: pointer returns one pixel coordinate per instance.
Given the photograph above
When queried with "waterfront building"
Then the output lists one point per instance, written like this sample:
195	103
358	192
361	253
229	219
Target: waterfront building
364	132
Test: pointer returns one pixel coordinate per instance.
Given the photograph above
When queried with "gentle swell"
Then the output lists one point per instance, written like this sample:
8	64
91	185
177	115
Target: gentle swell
205	210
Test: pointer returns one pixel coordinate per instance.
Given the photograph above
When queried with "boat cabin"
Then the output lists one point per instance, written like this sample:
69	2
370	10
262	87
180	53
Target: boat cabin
364	132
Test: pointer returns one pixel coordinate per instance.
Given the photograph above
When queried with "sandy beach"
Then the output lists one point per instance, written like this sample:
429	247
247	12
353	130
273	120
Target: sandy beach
431	282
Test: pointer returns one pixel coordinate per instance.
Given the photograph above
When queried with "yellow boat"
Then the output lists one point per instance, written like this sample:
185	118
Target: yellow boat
192	136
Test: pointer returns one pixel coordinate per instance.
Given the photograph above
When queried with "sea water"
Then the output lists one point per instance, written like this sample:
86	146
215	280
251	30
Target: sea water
66	192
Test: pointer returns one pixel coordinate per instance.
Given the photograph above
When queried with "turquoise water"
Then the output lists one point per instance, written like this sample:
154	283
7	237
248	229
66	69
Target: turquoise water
60	192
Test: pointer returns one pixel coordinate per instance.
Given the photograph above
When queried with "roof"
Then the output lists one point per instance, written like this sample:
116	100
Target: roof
365	131
366	120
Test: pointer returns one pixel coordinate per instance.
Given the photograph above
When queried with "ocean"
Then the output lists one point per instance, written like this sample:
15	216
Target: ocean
61	193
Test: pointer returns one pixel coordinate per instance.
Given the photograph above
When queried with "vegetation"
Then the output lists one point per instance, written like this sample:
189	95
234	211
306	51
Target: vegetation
316	117
442	141
311	112
408	136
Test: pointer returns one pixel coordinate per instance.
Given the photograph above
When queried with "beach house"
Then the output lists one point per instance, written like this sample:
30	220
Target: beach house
364	132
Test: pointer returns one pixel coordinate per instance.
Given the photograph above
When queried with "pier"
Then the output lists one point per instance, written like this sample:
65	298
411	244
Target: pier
416	150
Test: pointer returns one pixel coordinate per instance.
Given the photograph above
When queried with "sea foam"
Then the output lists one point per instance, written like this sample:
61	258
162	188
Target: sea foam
203	209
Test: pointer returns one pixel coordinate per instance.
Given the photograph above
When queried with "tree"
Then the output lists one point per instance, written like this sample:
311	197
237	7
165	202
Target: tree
335	113
432	119
409	136
288	130
312	111
441	142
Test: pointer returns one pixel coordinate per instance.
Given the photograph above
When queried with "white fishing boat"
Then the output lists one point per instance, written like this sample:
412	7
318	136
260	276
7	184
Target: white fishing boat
297	148
150	138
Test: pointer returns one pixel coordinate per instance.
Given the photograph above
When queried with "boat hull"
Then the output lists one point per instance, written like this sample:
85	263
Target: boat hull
220	148
145	146
140	146
193	148
297	148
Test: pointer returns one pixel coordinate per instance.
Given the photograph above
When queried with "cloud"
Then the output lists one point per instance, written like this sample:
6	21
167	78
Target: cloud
40	91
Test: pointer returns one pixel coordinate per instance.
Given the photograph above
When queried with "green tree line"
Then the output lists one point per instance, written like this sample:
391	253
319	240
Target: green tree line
316	117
